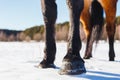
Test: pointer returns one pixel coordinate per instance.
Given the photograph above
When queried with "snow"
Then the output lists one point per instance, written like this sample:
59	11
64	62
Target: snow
18	61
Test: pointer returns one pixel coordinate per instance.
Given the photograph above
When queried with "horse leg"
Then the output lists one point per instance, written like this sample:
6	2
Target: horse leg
49	10
85	20
94	24
88	51
111	32
110	27
72	62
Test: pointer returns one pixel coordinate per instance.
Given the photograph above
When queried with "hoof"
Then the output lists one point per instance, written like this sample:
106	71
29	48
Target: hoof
111	59
87	57
45	64
72	68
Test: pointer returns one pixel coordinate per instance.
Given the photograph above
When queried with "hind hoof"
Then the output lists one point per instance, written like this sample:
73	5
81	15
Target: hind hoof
42	66
45	64
87	57
72	68
111	59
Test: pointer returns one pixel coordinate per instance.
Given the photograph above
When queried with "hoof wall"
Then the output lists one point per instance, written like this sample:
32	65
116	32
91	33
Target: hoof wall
72	68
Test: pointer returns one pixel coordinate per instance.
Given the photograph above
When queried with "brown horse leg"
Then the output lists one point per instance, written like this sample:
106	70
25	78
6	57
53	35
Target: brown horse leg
49	10
111	33
72	62
86	22
95	26
110	27
88	51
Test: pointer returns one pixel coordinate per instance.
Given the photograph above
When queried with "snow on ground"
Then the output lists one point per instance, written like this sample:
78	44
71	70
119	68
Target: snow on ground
18	61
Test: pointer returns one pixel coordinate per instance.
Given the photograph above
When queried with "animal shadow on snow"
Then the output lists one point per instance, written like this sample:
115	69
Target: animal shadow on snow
37	63
100	76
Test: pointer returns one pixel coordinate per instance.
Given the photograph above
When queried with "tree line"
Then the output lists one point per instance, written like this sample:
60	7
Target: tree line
37	33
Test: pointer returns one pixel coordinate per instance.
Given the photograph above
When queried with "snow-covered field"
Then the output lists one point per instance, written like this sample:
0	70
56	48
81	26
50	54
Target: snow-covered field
18	61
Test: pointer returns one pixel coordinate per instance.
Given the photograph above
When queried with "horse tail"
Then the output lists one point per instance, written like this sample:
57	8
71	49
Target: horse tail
96	20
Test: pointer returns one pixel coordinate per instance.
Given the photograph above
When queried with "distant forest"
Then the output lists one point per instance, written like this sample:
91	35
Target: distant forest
37	33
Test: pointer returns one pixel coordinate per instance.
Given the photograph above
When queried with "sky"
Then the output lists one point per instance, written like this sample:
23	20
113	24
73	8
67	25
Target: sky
22	14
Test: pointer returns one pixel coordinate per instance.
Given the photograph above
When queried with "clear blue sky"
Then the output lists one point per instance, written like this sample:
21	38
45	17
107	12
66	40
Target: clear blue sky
22	14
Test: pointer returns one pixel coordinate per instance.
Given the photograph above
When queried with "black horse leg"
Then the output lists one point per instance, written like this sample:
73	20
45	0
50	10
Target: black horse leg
72	62
49	10
111	33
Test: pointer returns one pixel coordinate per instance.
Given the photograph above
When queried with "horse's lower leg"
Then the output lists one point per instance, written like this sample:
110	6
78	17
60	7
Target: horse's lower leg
111	33
110	11
49	10
85	20
96	22
74	41
88	51
72	62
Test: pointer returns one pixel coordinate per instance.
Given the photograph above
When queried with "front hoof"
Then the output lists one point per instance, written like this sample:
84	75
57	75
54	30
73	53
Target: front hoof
72	68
